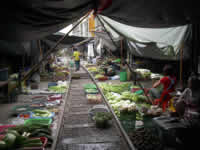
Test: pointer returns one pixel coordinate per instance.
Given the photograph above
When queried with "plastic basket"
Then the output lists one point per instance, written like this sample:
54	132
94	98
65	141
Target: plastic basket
44	121
90	86
93	91
20	108
4	127
97	108
128	120
50	117
52	84
44	141
94	100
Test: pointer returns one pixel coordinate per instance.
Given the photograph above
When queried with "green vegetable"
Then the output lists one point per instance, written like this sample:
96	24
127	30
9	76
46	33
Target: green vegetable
91	91
38	131
99	76
58	89
33	144
30	128
116	88
28	141
14	132
89	86
141	98
9	139
127	95
103	116
2	145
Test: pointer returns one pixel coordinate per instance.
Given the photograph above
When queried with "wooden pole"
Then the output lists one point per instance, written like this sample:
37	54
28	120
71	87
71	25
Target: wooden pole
121	43
181	67
35	67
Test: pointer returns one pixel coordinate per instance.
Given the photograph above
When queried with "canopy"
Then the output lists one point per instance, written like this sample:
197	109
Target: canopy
162	36
154	13
26	20
11	48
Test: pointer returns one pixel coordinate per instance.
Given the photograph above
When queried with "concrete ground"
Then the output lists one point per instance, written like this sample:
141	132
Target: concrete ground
5	108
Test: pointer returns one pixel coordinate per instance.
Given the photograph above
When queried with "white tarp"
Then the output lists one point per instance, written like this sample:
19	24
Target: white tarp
162	36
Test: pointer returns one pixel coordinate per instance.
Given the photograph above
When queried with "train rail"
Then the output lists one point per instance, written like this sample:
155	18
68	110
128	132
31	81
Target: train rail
77	131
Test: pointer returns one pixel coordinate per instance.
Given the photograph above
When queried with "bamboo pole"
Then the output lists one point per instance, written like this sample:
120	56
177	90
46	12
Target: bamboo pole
35	67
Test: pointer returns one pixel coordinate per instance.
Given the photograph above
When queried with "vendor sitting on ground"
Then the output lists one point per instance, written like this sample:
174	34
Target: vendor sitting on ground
168	82
188	110
188	104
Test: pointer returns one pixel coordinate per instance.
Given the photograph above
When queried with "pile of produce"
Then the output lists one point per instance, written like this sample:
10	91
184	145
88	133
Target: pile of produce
39	113
25	137
58	89
91	91
60	76
151	111
90	88
94	98
102	119
116	88
145	139
144	73
92	69
98	76
122	100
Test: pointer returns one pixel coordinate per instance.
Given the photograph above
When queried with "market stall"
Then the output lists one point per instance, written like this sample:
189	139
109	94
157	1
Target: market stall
137	115
34	121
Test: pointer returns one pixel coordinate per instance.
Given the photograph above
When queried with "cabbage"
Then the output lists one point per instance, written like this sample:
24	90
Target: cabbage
116	88
2	145
9	139
127	95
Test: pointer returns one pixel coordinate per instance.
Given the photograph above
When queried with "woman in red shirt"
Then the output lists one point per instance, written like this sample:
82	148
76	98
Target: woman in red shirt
168	81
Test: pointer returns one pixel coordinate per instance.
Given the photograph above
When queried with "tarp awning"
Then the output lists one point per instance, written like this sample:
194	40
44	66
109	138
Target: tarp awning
26	20
162	36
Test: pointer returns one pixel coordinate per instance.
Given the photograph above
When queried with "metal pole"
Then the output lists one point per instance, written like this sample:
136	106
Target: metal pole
53	48
181	67
107	31
126	62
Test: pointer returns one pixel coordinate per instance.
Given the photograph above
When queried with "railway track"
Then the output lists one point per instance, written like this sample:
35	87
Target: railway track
77	131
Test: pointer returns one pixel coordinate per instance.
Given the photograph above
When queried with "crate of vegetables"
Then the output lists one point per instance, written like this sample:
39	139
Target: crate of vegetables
94	98
43	122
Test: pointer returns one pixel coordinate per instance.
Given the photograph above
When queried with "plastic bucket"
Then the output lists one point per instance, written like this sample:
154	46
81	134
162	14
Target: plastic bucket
123	76
4	74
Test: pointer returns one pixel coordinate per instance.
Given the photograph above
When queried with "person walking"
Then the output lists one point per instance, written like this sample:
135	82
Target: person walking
76	56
